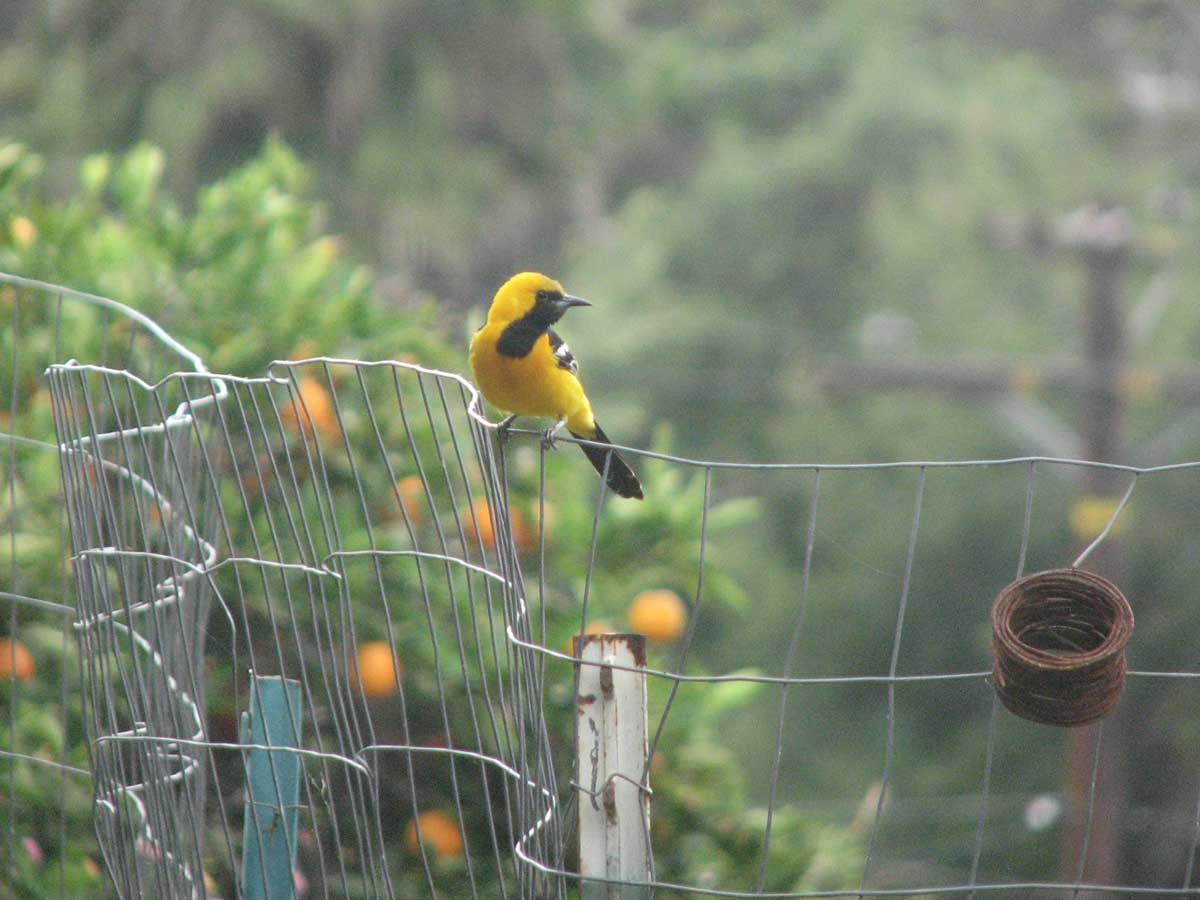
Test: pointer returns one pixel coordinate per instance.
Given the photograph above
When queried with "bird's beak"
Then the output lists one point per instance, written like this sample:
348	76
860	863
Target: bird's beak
568	301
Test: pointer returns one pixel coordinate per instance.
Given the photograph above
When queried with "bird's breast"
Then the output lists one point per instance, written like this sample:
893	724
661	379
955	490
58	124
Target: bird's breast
529	385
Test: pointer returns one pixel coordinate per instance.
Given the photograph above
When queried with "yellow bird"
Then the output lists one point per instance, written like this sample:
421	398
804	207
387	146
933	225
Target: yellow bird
524	368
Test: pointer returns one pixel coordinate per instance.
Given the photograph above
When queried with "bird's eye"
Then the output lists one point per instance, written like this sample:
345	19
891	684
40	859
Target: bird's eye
542	296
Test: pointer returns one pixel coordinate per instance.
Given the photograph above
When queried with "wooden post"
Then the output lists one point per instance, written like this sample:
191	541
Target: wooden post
610	745
272	789
1103	236
1090	824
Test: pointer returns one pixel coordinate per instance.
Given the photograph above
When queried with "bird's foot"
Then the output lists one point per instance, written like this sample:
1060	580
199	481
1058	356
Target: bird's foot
504	429
550	435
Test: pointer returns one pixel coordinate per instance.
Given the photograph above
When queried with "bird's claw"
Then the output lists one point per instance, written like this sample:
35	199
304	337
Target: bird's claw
550	435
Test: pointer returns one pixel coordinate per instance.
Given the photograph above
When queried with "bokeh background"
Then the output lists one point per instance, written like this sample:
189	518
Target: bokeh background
813	232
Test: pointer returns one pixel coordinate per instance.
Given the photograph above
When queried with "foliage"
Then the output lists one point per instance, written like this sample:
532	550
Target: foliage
707	830
744	190
376	93
253	242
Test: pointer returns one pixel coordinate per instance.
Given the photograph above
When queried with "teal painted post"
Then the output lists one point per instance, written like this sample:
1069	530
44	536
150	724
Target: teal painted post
272	789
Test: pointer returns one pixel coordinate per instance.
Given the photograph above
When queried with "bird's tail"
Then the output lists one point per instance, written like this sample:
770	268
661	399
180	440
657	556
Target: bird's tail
621	479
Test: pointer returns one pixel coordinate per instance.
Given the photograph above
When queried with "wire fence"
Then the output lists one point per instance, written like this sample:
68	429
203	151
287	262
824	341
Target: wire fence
349	525
46	780
243	518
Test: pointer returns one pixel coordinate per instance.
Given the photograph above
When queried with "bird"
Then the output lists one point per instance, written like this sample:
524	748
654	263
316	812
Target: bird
524	368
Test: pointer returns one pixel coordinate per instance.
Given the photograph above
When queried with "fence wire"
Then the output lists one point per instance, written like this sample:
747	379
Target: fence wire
45	784
222	528
285	523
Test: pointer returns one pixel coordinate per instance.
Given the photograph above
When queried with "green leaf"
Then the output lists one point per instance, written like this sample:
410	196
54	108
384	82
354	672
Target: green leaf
138	177
94	173
726	696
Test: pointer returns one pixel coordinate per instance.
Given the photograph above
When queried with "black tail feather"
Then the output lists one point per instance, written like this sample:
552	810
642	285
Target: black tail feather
621	479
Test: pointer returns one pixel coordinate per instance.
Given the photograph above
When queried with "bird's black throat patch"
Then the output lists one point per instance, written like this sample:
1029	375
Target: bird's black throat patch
519	337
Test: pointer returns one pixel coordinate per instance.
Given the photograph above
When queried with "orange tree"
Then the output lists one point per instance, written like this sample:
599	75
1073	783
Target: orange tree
244	275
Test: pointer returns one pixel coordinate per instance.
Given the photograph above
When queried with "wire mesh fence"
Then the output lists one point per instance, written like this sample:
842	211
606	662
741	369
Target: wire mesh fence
354	527
46	789
322	524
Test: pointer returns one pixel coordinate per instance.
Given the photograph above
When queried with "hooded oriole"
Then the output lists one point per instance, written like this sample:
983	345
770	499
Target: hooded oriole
524	368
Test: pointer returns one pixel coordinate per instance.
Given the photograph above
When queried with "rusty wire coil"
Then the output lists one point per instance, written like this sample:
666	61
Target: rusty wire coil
1058	646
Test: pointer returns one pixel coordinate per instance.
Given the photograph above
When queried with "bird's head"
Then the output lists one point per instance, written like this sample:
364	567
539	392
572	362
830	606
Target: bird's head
534	295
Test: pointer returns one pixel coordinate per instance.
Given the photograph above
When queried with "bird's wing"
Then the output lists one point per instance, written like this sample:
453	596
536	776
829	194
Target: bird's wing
562	353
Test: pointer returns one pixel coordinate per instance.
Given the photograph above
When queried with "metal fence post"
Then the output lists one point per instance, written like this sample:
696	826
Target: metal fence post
272	789
610	747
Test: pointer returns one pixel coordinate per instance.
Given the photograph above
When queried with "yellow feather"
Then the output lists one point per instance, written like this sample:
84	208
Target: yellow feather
531	385
535	384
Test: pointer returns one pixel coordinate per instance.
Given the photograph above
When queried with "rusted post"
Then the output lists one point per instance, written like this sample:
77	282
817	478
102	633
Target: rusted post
1094	785
610	752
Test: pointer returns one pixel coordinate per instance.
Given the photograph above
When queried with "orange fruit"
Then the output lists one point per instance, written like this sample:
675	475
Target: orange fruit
306	349
592	628
23	232
1089	515
439	833
15	660
376	665
412	495
478	524
312	410
523	538
156	514
658	763
258	476
253	485
659	614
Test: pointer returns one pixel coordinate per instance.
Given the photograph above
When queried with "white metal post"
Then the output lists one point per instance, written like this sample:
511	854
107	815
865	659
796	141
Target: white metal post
610	749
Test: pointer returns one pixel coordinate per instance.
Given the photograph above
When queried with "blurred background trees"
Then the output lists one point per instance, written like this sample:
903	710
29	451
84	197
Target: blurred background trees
712	176
747	192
